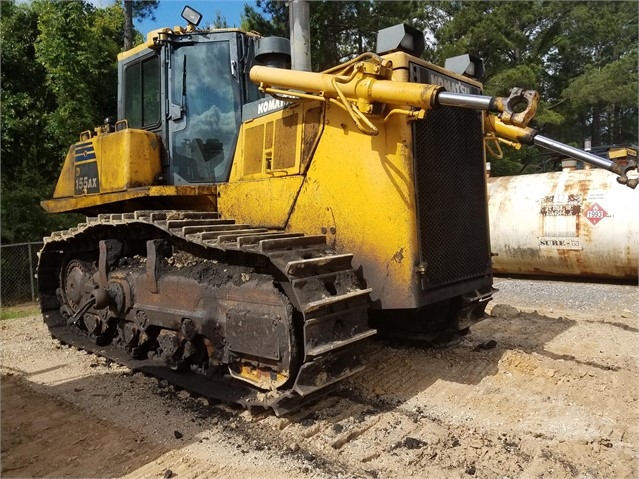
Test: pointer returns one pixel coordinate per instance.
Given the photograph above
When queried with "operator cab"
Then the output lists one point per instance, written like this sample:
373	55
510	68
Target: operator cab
190	88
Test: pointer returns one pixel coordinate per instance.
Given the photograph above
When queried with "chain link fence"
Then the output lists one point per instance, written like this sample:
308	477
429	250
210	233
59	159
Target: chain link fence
18	263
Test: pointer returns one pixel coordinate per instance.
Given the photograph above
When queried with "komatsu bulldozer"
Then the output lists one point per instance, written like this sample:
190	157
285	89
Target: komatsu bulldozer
250	226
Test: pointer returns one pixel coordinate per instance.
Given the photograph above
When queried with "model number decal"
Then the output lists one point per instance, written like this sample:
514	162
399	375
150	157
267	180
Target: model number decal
86	178
84	183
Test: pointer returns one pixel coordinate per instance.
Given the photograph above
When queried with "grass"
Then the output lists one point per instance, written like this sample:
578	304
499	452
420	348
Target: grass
19	311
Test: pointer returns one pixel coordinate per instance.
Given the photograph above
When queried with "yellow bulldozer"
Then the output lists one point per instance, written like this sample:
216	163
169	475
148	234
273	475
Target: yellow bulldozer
250	226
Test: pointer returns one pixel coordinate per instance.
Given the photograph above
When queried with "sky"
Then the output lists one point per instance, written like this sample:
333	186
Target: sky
168	13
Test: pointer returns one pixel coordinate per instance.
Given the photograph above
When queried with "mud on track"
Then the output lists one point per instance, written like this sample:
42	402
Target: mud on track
551	393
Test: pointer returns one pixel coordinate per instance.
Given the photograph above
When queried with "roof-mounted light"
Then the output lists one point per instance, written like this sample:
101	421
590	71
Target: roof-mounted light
468	65
401	38
192	16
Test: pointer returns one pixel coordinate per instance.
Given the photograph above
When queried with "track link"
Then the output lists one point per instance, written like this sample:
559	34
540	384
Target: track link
331	305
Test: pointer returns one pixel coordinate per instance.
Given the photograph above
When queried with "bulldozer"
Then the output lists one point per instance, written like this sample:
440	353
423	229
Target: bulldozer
249	227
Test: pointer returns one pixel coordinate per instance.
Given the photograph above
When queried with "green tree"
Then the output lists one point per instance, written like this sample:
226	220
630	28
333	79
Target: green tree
219	21
339	29
29	153
108	27
580	56
67	51
24	100
273	21
596	57
59	77
513	39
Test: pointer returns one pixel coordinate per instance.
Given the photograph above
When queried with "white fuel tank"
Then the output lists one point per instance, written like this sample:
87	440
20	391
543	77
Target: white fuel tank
570	223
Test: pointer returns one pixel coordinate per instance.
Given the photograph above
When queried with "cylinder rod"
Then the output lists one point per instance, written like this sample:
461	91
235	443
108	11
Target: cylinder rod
575	153
476	102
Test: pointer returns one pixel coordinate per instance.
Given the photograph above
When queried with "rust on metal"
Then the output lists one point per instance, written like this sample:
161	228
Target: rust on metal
569	223
186	297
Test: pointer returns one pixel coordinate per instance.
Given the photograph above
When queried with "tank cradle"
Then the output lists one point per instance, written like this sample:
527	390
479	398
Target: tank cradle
260	318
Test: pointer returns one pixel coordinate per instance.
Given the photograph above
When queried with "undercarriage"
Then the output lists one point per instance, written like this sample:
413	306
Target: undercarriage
246	315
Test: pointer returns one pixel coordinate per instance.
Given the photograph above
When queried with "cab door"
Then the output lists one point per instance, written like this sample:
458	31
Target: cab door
204	107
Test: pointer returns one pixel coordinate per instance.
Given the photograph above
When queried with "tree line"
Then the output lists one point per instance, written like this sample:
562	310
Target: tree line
581	56
59	73
59	78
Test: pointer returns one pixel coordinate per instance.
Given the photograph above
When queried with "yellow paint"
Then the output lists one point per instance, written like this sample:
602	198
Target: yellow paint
363	87
308	169
269	146
125	160
358	189
261	377
512	134
155	37
622	153
362	187
272	153
202	197
66	181
141	151
372	81
265	203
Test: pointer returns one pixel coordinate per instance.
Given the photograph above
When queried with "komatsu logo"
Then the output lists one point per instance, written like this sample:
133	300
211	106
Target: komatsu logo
453	86
270	105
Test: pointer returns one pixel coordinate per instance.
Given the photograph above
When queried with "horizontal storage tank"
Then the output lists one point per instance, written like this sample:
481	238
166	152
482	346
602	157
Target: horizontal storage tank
569	223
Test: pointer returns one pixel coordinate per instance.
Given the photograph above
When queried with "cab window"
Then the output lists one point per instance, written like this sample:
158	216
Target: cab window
142	93
203	139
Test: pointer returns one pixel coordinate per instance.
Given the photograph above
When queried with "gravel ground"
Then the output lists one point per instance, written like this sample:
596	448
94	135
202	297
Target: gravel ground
545	387
578	298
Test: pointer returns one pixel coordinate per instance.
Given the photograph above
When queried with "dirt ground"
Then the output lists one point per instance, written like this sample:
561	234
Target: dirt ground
546	387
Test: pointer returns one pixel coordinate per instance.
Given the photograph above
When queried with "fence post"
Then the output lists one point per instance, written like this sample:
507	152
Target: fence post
31	273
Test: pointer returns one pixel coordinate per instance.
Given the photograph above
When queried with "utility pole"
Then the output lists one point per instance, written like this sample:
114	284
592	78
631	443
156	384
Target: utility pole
300	35
128	25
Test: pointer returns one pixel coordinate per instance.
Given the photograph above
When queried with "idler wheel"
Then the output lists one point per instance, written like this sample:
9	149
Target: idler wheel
77	283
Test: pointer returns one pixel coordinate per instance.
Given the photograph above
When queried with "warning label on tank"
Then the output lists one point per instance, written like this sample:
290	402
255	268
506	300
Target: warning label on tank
595	213
569	205
559	221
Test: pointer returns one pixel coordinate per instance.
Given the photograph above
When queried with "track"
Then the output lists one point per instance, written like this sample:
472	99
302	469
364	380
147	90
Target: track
198	293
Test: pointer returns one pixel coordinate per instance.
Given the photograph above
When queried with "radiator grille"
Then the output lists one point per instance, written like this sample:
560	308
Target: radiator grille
451	196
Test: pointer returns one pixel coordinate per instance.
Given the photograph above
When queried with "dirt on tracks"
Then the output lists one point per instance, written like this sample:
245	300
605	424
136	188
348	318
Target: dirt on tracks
545	387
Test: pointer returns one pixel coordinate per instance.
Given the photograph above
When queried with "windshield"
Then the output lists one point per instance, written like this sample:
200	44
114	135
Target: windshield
204	135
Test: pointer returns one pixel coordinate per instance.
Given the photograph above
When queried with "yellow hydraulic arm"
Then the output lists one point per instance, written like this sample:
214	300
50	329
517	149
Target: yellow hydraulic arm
363	86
